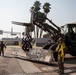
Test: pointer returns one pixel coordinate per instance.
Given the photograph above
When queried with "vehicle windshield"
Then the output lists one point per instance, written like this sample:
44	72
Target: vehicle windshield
73	29
64	29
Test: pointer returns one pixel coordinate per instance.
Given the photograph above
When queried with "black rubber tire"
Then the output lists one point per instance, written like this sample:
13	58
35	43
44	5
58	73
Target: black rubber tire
25	47
73	53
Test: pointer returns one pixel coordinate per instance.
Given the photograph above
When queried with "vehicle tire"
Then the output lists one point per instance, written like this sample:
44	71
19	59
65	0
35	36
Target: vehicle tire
73	53
25	47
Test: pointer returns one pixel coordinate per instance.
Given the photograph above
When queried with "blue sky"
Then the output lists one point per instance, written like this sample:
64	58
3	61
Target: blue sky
62	12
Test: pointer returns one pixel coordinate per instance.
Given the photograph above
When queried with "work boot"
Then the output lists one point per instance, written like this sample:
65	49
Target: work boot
62	72
58	71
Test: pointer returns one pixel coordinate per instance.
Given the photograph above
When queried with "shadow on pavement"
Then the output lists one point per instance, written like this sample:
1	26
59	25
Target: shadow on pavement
38	62
70	70
7	57
71	60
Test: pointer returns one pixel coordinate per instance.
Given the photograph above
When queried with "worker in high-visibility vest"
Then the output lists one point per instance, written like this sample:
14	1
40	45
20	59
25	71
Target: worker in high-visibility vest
61	54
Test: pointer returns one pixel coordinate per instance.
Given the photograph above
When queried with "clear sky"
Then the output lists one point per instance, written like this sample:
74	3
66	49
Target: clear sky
62	12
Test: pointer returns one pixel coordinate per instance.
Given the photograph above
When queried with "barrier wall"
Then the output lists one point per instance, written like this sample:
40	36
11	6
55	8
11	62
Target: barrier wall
42	41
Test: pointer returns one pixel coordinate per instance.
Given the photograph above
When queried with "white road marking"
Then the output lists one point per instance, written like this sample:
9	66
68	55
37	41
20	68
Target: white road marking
28	67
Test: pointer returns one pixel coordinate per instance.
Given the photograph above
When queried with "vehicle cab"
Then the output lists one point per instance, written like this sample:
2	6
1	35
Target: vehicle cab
69	32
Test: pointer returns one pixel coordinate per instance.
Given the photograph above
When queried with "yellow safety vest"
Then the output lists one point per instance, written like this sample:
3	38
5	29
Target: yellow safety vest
62	50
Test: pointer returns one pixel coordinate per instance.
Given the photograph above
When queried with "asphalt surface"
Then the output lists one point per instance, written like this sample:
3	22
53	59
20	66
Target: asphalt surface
14	62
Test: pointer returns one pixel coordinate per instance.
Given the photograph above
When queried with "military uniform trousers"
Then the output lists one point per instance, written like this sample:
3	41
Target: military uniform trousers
61	64
1	52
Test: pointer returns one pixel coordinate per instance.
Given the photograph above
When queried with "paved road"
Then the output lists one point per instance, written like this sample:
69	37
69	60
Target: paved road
11	65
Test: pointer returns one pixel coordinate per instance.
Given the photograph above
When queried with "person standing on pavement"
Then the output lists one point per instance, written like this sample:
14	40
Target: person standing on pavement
2	46
61	54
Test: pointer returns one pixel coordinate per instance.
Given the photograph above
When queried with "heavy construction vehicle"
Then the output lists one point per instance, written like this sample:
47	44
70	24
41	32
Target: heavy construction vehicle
26	42
68	32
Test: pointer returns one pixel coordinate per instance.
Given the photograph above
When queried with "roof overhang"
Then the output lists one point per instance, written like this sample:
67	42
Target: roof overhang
22	24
